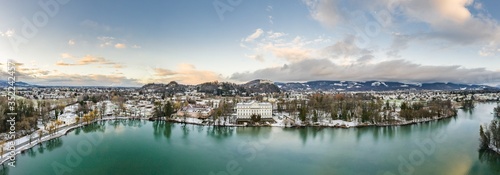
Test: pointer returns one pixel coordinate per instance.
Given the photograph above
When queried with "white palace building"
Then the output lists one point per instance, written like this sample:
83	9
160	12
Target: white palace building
247	109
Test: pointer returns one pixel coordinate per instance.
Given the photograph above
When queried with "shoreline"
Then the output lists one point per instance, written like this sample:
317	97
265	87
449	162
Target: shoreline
492	149
314	125
20	148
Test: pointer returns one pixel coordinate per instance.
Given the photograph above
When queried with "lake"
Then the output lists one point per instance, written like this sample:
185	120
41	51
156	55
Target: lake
449	146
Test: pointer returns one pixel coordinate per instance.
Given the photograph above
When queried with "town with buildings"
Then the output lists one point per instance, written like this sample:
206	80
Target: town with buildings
220	106
45	112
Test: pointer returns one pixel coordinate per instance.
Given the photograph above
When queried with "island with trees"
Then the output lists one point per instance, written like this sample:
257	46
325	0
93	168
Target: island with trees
363	110
490	134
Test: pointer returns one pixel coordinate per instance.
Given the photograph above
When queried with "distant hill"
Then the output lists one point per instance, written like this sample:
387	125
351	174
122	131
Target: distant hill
4	83
170	88
375	86
259	86
215	88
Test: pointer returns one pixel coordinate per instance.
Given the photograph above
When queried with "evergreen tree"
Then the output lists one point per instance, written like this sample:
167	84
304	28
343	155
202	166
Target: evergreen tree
315	116
484	138
303	113
169	110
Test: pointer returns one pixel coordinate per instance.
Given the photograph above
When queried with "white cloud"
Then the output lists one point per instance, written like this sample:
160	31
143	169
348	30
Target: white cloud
325	11
490	50
258	57
106	41
478	6
275	35
95	25
8	33
254	35
450	21
346	52
437	12
269	8
71	42
399	42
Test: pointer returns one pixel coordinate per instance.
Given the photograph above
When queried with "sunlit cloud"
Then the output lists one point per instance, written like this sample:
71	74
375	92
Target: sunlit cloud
447	20
39	76
185	73
254	35
67	55
120	46
163	72
87	60
281	46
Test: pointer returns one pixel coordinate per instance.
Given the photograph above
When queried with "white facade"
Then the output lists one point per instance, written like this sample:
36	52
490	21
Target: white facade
245	110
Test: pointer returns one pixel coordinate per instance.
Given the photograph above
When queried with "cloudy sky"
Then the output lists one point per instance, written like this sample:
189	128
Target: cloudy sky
129	43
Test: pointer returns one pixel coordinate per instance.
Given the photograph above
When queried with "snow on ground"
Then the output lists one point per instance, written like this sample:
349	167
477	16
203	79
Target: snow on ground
189	120
282	120
338	123
279	122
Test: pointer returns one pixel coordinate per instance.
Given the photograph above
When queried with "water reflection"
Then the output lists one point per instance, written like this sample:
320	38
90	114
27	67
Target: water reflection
97	126
389	132
252	133
162	128
122	122
77	131
53	144
200	128
4	169
220	132
41	148
307	133
491	158
185	131
31	152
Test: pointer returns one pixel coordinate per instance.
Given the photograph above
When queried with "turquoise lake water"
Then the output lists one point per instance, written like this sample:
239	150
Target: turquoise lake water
448	146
